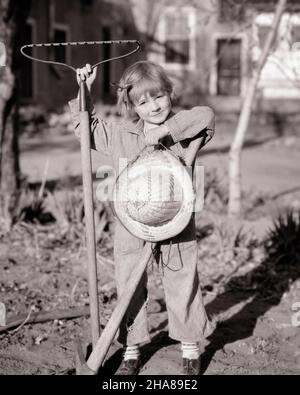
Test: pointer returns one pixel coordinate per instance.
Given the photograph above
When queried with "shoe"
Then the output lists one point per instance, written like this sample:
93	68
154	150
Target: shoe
130	367
191	367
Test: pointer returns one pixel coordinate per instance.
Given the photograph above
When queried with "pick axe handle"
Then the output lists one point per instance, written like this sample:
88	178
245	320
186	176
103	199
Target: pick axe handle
101	348
90	222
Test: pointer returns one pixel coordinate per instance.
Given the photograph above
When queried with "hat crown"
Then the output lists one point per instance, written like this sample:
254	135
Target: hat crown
154	193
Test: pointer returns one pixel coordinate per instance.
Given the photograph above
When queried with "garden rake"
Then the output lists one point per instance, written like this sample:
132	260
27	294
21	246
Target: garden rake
101	343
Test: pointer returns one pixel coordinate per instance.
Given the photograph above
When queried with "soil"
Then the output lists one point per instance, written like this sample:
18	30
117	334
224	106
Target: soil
252	302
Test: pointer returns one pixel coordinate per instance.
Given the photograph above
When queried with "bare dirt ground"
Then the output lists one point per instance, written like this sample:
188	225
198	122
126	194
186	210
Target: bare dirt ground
249	295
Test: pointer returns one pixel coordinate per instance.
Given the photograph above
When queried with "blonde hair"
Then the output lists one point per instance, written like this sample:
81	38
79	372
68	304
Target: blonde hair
139	78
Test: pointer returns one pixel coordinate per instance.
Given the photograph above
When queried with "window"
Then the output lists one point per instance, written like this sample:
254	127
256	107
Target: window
287	36
61	53
232	10
177	39
295	36
179	36
279	75
263	32
86	5
269	5
229	67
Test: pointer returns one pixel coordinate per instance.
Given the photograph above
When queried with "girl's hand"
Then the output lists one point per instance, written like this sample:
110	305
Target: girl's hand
154	135
86	74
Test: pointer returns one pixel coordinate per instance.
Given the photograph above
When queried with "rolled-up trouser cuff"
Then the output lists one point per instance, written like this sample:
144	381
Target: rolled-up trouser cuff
137	332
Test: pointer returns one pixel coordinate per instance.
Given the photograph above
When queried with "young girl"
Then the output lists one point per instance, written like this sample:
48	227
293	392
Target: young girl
145	102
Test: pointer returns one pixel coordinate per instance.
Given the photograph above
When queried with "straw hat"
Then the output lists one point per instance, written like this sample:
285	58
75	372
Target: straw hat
153	196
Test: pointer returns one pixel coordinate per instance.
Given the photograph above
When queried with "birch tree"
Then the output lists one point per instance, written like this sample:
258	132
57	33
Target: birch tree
234	205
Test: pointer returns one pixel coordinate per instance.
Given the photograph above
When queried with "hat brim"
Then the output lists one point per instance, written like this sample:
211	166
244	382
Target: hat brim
174	226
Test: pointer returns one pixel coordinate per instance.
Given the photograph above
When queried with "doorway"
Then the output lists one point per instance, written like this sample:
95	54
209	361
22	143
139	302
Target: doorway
229	67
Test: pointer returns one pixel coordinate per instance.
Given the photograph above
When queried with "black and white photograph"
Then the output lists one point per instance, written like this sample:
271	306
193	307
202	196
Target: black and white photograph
149	190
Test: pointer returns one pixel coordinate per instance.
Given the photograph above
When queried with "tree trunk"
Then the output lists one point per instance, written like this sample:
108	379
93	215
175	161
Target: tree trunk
13	15
234	206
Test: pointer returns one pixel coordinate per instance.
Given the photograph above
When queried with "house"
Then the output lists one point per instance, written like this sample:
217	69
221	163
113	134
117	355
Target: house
74	20
210	48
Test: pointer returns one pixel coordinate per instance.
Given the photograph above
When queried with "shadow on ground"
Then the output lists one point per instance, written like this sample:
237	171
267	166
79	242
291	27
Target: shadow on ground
159	341
264	287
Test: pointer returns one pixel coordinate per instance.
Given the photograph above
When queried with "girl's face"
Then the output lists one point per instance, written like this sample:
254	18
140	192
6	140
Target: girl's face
153	109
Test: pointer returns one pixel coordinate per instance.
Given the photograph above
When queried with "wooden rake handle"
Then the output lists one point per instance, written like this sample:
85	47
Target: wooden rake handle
86	163
101	348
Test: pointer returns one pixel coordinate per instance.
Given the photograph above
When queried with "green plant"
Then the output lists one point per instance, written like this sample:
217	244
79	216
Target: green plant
66	206
283	241
32	208
234	240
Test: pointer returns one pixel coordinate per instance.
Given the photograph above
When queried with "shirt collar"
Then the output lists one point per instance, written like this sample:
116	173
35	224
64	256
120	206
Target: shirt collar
139	126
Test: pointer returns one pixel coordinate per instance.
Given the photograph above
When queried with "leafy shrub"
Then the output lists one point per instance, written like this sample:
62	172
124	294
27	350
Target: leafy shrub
283	241
32	208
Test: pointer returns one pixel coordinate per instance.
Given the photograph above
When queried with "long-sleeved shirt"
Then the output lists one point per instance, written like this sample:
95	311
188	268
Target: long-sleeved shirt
189	131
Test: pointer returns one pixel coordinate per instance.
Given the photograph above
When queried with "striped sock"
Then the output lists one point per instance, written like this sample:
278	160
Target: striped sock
131	352
190	350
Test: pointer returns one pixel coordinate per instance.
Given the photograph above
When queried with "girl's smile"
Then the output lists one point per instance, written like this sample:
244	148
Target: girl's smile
153	109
